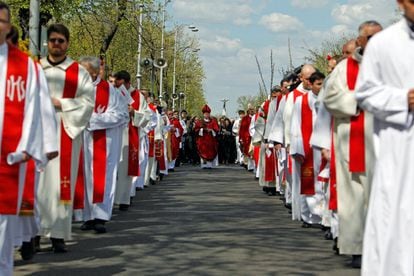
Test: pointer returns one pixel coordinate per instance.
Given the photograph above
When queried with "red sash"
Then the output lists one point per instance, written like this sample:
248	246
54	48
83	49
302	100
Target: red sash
79	200
159	155
69	91
333	202
99	145
28	200
270	166
151	138
356	135
324	162
14	103
307	186
133	139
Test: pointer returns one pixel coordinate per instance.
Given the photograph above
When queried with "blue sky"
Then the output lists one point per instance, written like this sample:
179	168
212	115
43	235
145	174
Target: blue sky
232	32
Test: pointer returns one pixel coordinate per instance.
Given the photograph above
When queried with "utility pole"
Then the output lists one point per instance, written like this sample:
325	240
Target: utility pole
139	76
160	93
34	27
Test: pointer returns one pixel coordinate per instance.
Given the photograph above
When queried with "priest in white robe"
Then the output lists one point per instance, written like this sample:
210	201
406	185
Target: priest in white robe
307	160
102	145
21	135
385	87
129	163
146	144
353	148
72	95
303	88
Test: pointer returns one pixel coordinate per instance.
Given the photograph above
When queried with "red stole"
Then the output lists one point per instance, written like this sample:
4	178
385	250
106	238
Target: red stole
307	186
28	200
159	155
175	141
356	135
69	91
14	103
270	166
151	134
333	201
79	200
99	145
133	139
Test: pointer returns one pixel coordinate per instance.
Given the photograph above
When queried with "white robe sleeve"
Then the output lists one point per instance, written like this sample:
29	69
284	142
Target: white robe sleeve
387	103
115	115
321	134
158	133
270	118
296	140
339	101
251	127
49	122
236	127
31	140
287	117
143	115
77	111
278	128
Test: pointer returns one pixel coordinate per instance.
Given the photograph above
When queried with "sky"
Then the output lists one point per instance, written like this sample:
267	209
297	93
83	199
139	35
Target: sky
232	32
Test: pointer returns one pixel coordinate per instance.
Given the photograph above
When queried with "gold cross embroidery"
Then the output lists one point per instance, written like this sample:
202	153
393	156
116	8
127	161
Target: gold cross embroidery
65	182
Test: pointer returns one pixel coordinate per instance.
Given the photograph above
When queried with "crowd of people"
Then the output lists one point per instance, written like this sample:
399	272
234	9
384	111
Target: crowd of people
336	148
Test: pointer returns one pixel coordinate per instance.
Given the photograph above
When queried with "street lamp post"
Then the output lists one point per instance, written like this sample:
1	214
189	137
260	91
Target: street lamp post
139	76
160	93
34	27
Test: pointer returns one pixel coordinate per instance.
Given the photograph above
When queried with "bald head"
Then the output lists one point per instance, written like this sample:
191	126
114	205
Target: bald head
305	73
348	48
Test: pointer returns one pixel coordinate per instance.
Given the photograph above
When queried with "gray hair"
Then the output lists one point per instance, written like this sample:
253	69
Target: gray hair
94	62
371	23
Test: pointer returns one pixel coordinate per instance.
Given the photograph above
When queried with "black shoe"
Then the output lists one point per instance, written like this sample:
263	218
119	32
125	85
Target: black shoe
87	225
58	245
152	182
123	207
328	235
170	170
36	241
289	206
27	250
335	246
306	225
265	189
356	261
271	191
99	226
161	176
137	189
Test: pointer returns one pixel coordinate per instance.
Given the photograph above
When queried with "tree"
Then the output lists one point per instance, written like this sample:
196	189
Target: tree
318	56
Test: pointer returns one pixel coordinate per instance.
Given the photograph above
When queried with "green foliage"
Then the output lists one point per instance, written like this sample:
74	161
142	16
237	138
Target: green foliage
109	28
318	56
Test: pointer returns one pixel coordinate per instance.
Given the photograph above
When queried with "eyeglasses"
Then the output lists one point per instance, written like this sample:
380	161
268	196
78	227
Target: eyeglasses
58	40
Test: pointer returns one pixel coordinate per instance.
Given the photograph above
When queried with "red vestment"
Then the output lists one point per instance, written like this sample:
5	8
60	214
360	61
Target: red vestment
207	144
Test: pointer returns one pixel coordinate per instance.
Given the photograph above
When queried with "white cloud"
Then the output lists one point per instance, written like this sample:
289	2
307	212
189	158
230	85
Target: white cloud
237	12
279	22
356	11
220	45
303	4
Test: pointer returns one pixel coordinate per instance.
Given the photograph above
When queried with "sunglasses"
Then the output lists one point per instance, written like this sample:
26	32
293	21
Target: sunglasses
58	40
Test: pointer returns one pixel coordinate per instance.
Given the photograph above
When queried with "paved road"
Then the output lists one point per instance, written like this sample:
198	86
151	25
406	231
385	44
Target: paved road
197	222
